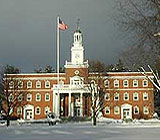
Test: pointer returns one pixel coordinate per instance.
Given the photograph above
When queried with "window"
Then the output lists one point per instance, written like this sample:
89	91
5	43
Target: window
126	96
125	83
38	110
145	110
136	110
47	110
29	84
107	96
19	111
145	96
116	96
20	84
106	83
116	110
11	84
11	97
38	84
135	96
116	83
47	84
38	97
29	97
107	110
145	83
47	97
20	97
135	83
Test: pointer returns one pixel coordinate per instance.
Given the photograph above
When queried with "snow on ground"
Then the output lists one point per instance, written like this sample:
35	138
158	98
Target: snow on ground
106	129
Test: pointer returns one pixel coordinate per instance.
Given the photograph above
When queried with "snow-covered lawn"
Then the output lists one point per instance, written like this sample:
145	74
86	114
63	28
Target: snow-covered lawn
82	131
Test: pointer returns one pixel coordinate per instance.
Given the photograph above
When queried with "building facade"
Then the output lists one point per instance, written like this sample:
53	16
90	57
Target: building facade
127	94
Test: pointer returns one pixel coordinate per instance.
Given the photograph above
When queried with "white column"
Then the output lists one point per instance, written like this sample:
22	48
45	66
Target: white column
58	104
81	104
69	105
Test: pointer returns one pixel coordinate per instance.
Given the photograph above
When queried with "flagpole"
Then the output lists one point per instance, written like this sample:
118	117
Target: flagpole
58	61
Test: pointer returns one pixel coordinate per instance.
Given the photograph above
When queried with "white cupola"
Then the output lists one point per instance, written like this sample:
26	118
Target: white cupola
77	51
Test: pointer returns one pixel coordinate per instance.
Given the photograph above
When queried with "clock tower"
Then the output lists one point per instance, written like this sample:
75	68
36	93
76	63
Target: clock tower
77	51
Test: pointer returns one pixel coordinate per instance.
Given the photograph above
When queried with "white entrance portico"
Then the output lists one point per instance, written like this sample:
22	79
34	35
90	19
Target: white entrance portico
74	100
126	111
28	112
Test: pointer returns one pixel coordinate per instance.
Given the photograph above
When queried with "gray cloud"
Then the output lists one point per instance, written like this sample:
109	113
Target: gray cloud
28	31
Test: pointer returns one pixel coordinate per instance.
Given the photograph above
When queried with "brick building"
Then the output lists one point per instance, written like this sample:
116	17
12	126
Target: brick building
127	94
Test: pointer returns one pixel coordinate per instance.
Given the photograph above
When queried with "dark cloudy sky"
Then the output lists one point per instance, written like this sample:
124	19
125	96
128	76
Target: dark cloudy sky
28	31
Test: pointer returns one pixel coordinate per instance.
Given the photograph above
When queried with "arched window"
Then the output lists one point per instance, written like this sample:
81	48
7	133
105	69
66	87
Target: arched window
116	110
38	97
38	84
136	110
38	110
29	84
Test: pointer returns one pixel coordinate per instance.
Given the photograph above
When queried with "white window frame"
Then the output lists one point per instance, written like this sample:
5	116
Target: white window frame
46	96
38	100
47	108
29	94
38	84
135	81
136	107
11	97
146	83
20	84
116	94
145	94
19	110
20	97
11	84
116	107
107	95
126	93
36	110
116	83
135	93
106	81
29	86
127	83
107	108
147	109
47	84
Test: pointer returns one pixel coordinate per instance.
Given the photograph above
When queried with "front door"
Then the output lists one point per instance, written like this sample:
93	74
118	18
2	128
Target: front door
126	113
28	114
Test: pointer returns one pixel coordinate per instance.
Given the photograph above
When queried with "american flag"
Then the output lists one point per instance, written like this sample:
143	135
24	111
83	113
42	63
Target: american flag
61	25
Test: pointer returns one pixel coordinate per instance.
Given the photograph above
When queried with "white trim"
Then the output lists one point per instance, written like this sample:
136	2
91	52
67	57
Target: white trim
135	94
105	83
107	95
29	94
130	89
126	106
28	83
107	108
136	83
26	107
19	109
49	85
147	109
145	94
116	94
124	95
38	84
40	78
20	82
38	100
146	83
48	96
116	108
125	83
36	110
47	108
116	83
135	109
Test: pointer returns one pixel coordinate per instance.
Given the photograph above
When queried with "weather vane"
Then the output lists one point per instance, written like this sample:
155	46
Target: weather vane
78	23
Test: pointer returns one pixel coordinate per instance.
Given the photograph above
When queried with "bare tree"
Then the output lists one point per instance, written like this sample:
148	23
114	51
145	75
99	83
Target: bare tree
11	93
96	88
141	20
